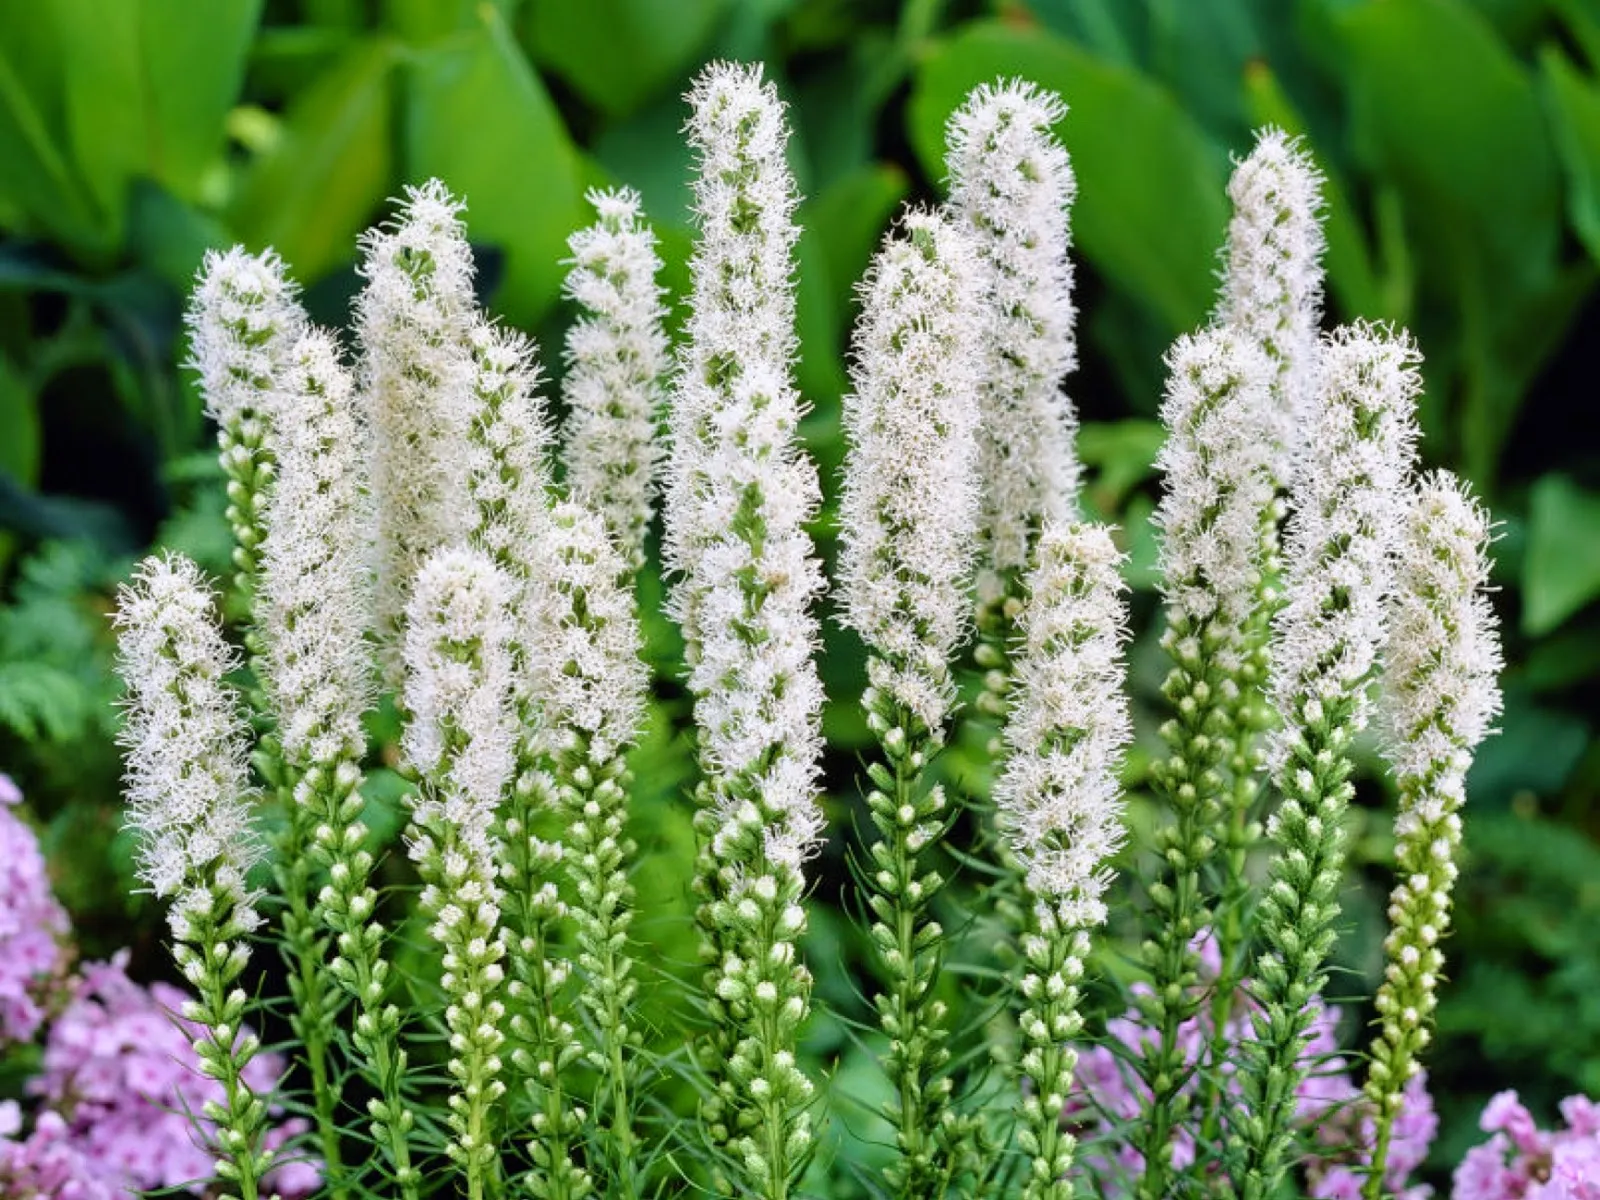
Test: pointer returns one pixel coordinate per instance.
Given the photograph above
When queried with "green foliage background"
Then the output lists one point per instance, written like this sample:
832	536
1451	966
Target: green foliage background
1461	139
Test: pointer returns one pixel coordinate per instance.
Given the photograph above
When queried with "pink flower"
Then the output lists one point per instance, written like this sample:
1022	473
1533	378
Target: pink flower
33	926
1522	1162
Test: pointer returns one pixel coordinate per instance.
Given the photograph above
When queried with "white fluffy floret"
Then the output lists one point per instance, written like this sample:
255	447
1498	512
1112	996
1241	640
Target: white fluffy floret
414	316
315	605
908	515
1012	183
616	356
1216	465
460	735
243	319
1272	279
1347	507
1443	655
187	774
595	680
740	488
1060	796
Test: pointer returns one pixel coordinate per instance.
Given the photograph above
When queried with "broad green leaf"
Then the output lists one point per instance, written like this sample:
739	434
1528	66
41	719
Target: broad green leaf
40	178
1151	206
169	236
478	117
317	188
850	219
1574	104
1561	572
617	54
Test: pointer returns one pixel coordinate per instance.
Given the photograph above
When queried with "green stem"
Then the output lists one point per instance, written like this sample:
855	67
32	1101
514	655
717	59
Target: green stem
1055	957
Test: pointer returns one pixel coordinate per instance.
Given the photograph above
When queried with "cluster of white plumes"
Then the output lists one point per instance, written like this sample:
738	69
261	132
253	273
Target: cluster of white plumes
1060	796
1442	660
242	318
594	681
187	775
315	602
1272	281
1216	464
461	734
413	317
1011	183
617	356
908	514
1347	506
739	487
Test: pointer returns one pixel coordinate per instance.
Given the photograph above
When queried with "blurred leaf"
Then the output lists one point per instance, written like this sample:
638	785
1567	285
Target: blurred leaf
19	427
850	219
317	188
617	54
39	177
1574	105
1151	220
1123	453
39	702
1561	572
169	236
517	170
1467	143
1535	751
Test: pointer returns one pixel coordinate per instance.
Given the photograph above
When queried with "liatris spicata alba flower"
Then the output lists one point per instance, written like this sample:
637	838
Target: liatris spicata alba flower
740	489
908	524
243	320
616	358
593	705
460	738
1011	184
413	318
1440	696
1272	280
1061	809
1218	487
1347	507
188	806
312	613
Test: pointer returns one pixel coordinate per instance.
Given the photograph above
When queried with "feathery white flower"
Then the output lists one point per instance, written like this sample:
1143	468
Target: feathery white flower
1347	508
1272	280
908	514
187	774
1217	484
596	680
1442	659
243	319
1011	182
413	317
740	488
1060	797
315	603
460	736
616	356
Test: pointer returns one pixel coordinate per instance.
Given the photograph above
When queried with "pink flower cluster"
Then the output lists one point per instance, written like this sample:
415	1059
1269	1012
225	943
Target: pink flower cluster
1330	1107
1522	1162
33	927
120	1098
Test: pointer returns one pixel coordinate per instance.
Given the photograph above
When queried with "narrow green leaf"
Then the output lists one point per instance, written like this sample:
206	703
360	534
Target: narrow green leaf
1561	572
1574	105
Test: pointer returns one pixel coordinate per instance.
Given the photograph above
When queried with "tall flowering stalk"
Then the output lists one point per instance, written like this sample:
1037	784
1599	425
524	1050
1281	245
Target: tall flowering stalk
593	706
739	491
1440	696
1061	810
1348	502
188	806
243	320
1218	487
908	524
616	357
413	317
1271	294
1012	186
314	612
460	738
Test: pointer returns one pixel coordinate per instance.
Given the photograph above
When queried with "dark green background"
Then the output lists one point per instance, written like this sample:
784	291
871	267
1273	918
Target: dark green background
1461	140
